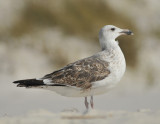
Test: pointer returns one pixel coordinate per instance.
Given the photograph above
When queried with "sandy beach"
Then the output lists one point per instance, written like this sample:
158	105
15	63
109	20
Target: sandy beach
143	116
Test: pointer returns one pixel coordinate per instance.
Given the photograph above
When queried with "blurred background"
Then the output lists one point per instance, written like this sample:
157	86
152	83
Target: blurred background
38	37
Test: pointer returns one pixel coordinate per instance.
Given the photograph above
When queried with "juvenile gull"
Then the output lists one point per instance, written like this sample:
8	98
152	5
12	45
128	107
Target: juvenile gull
90	76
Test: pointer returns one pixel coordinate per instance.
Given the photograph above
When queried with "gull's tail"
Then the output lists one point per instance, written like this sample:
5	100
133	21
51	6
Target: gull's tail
29	83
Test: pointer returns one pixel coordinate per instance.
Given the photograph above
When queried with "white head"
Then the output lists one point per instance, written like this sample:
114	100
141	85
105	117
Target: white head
109	33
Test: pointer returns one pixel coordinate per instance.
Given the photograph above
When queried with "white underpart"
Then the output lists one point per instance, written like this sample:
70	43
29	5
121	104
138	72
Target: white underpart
112	54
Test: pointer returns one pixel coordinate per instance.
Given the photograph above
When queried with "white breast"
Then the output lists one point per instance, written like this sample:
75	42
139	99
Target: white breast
117	67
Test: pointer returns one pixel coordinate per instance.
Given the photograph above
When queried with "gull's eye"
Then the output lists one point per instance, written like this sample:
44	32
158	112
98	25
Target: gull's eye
112	29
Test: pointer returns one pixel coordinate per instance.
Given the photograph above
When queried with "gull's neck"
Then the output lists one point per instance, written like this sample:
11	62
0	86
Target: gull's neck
108	44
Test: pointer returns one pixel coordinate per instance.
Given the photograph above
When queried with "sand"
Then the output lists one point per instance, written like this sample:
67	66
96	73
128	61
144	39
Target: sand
143	116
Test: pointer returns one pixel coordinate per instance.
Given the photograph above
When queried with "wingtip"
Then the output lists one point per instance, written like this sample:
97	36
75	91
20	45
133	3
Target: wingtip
20	85
15	82
28	83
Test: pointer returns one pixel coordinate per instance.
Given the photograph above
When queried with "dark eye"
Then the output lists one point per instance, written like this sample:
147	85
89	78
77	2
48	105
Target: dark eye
112	29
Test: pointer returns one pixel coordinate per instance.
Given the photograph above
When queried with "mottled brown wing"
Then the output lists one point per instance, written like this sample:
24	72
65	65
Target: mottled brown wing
81	73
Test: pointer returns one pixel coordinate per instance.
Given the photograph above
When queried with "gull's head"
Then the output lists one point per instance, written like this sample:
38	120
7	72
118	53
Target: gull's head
111	32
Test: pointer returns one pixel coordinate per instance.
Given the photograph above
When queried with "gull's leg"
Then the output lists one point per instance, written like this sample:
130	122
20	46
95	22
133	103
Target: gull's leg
91	102
86	103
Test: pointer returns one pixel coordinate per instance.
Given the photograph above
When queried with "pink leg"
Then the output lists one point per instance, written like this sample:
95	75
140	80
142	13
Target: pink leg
86	103
91	102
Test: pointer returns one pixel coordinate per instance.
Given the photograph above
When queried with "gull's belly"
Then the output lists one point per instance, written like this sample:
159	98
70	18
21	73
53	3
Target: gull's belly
109	82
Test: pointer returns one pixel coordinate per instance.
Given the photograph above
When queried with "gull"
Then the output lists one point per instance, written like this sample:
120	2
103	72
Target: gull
90	76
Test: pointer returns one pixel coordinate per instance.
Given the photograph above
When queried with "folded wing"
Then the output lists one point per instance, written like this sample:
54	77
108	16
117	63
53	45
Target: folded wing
80	74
